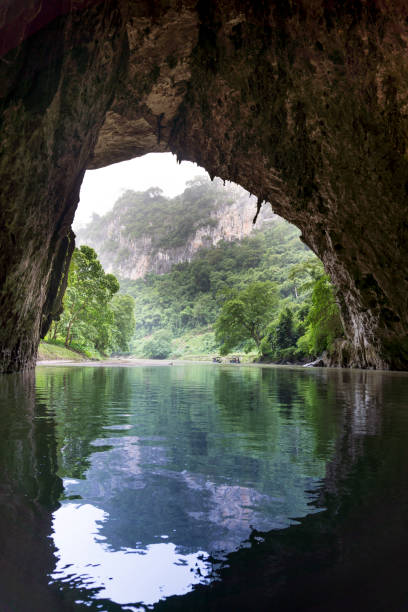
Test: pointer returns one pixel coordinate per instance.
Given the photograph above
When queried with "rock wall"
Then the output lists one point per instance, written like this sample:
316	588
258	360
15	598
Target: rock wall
56	87
304	104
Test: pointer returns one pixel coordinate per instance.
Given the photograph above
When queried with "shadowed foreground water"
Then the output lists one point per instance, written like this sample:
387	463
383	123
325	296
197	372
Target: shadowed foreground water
203	488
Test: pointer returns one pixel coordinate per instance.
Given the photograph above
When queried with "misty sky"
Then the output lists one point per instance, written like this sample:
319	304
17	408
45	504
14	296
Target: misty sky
101	188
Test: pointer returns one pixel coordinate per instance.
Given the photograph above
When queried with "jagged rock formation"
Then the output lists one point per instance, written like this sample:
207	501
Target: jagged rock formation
303	104
130	246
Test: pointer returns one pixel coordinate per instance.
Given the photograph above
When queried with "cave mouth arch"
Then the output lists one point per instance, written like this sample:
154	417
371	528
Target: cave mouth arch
304	106
102	187
161	212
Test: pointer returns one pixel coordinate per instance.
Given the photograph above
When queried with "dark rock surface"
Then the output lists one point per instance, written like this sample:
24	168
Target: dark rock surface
304	104
55	90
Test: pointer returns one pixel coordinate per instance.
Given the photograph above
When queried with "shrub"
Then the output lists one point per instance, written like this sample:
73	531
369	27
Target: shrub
159	345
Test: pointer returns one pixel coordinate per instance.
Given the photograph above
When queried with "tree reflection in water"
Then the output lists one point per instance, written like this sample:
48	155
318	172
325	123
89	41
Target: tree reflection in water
295	480
352	555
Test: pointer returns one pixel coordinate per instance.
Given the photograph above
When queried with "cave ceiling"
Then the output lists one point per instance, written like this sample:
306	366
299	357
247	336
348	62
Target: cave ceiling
302	103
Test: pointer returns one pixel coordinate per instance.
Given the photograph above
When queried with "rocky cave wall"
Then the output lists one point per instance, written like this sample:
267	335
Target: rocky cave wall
302	103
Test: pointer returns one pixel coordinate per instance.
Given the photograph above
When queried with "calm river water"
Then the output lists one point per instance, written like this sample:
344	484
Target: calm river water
195	488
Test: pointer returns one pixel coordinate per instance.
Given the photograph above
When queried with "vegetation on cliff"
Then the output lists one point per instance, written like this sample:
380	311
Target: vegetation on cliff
223	285
266	293
151	223
245	316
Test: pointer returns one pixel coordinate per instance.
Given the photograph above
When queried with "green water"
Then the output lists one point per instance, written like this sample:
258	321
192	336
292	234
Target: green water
203	487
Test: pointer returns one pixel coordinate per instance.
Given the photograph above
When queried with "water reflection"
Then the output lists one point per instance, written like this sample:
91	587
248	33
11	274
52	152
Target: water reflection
202	470
352	555
286	484
127	575
29	492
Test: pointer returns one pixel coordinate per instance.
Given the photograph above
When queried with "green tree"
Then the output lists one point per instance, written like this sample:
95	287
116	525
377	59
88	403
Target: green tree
86	314
304	275
279	343
123	308
323	323
246	316
159	345
285	329
203	310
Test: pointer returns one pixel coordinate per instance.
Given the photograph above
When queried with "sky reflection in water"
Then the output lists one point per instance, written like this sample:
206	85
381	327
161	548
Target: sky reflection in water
183	464
124	576
116	484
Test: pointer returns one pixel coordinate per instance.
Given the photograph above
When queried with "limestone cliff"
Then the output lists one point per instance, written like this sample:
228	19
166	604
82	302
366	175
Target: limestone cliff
302	103
130	251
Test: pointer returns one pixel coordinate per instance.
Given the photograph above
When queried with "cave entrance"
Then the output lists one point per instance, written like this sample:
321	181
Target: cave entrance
183	246
260	95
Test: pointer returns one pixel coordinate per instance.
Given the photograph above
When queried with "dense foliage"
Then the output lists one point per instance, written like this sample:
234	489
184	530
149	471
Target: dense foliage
245	316
323	324
93	317
266	293
299	318
159	345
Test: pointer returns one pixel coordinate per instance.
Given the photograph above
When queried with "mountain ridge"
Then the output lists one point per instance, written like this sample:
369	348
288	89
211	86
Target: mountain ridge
147	232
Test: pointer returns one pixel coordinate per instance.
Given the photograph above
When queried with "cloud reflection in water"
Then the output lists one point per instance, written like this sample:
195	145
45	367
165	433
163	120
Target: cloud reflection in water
123	576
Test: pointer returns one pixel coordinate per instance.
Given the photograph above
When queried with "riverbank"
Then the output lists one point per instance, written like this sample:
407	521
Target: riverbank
139	362
53	352
117	361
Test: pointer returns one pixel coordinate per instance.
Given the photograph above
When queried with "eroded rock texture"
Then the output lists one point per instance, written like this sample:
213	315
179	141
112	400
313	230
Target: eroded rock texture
302	103
55	90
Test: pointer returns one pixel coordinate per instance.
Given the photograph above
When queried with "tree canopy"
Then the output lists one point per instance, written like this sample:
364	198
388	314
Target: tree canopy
159	345
190	298
93	316
246	316
300	321
323	323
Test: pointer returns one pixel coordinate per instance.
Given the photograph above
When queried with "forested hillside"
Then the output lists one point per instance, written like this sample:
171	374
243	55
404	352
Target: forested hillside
190	295
177	311
148	232
206	281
